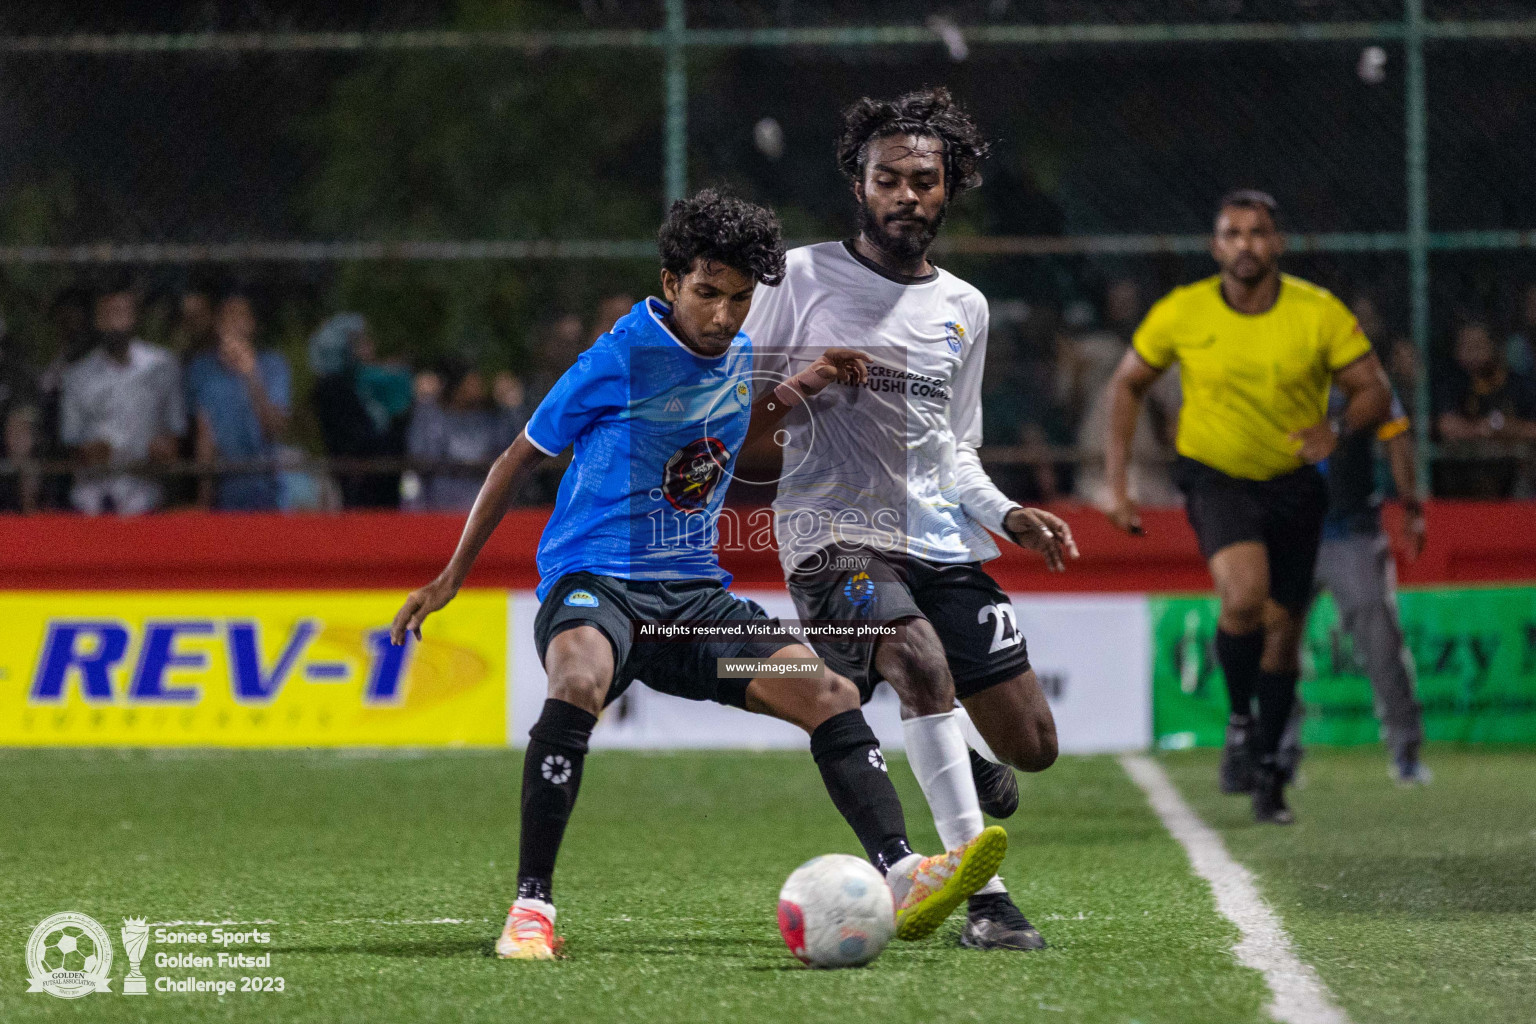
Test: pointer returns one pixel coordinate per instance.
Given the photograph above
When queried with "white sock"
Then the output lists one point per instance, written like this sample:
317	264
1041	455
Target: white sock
936	750
974	738
897	877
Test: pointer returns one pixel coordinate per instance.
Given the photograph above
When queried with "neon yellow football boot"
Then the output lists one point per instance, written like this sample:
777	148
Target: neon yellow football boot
931	888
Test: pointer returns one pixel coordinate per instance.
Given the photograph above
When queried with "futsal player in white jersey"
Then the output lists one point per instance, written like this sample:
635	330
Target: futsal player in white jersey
884	514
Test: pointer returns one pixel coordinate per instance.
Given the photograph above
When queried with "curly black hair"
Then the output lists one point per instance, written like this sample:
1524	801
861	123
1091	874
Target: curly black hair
926	112
710	225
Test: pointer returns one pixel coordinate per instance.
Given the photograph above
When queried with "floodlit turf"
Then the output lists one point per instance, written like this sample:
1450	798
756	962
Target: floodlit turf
1414	905
386	879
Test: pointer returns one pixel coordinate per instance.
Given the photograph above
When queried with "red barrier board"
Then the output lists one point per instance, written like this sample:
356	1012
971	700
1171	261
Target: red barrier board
1469	542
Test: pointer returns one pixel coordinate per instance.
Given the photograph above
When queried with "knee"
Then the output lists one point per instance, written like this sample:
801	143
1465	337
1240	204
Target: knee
580	685
1242	610
1030	749
914	664
835	695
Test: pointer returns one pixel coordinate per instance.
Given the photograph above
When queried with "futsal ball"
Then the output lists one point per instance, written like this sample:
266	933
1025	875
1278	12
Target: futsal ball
836	911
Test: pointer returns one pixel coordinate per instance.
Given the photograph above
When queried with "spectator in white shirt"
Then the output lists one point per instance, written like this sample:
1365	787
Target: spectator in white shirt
121	404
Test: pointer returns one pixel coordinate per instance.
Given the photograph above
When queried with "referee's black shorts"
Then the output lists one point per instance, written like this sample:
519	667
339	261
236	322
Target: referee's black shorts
1284	513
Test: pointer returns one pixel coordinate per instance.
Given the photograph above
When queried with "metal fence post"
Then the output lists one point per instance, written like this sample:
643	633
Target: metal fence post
1418	227
677	101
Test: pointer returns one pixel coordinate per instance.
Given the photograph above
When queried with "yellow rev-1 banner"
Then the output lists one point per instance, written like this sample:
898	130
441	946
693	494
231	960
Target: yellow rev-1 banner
248	669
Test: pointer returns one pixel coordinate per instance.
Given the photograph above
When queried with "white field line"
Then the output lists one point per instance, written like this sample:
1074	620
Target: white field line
1300	997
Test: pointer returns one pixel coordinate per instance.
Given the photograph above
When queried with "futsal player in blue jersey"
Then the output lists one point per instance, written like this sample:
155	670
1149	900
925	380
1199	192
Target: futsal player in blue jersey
657	410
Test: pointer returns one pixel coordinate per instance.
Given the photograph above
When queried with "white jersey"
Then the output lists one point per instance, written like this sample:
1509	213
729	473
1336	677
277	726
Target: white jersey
893	463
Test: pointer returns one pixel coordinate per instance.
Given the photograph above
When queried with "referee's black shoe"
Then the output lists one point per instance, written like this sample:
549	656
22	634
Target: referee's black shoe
993	922
996	787
1237	756
1269	794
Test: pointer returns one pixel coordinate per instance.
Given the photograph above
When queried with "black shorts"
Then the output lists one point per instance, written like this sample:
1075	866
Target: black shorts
1284	513
969	611
682	668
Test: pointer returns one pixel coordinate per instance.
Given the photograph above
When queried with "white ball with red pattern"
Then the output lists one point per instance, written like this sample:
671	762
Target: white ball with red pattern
836	911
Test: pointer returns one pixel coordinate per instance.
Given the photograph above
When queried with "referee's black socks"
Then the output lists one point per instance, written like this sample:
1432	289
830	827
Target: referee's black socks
557	747
1239	657
1277	696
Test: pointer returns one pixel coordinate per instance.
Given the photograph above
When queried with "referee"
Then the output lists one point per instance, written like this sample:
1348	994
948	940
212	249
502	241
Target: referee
1258	351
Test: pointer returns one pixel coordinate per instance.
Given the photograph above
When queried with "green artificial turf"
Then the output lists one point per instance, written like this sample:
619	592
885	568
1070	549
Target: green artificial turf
386	879
1415	905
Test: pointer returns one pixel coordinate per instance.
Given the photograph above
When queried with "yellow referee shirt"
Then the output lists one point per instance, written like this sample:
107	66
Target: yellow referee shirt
1250	381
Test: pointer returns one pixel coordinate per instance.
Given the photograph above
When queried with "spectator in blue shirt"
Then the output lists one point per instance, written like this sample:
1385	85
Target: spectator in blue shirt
240	399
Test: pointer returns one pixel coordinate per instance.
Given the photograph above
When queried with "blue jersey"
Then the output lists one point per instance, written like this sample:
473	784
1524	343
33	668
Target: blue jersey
656	427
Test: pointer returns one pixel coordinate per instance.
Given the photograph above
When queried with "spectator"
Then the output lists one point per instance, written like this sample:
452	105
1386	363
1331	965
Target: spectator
193	333
610	309
556	349
239	398
362	405
120	405
19	484
456	420
1091	353
1520	348
1403	367
1485	401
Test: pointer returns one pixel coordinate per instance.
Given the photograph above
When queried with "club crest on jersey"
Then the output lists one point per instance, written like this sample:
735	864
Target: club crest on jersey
954	334
860	591
693	472
743	393
580	599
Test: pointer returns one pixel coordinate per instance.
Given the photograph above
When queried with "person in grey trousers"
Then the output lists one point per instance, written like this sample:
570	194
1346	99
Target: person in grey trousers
1355	565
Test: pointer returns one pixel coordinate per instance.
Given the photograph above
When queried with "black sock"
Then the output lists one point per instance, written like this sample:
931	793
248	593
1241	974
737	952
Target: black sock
853	769
557	746
1239	657
1277	696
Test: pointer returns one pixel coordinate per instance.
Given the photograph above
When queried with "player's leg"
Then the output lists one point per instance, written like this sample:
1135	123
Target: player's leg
1241	574
1366	593
1295	505
926	889
986	654
583	634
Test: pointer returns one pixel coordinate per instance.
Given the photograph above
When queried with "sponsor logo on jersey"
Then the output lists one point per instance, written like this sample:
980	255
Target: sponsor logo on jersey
580	599
954	334
860	591
693	472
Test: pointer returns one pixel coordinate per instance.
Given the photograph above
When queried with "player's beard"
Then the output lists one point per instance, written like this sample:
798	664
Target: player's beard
905	246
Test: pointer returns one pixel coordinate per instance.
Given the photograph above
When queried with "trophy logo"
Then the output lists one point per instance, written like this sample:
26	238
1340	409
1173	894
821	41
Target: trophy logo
70	955
135	939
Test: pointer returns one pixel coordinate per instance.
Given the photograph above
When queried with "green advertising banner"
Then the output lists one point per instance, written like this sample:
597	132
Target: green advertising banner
1475	651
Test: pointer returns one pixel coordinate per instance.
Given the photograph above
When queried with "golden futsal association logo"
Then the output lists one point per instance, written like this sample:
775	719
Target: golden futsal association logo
69	955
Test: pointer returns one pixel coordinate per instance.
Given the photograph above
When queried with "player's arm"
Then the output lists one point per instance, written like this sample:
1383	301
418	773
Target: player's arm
1128	388
507	473
1368	402
509	470
1032	528
843	365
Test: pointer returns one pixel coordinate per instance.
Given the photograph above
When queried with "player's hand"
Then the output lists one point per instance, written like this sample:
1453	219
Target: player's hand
1039	530
844	365
1317	441
417	607
1415	530
1126	517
